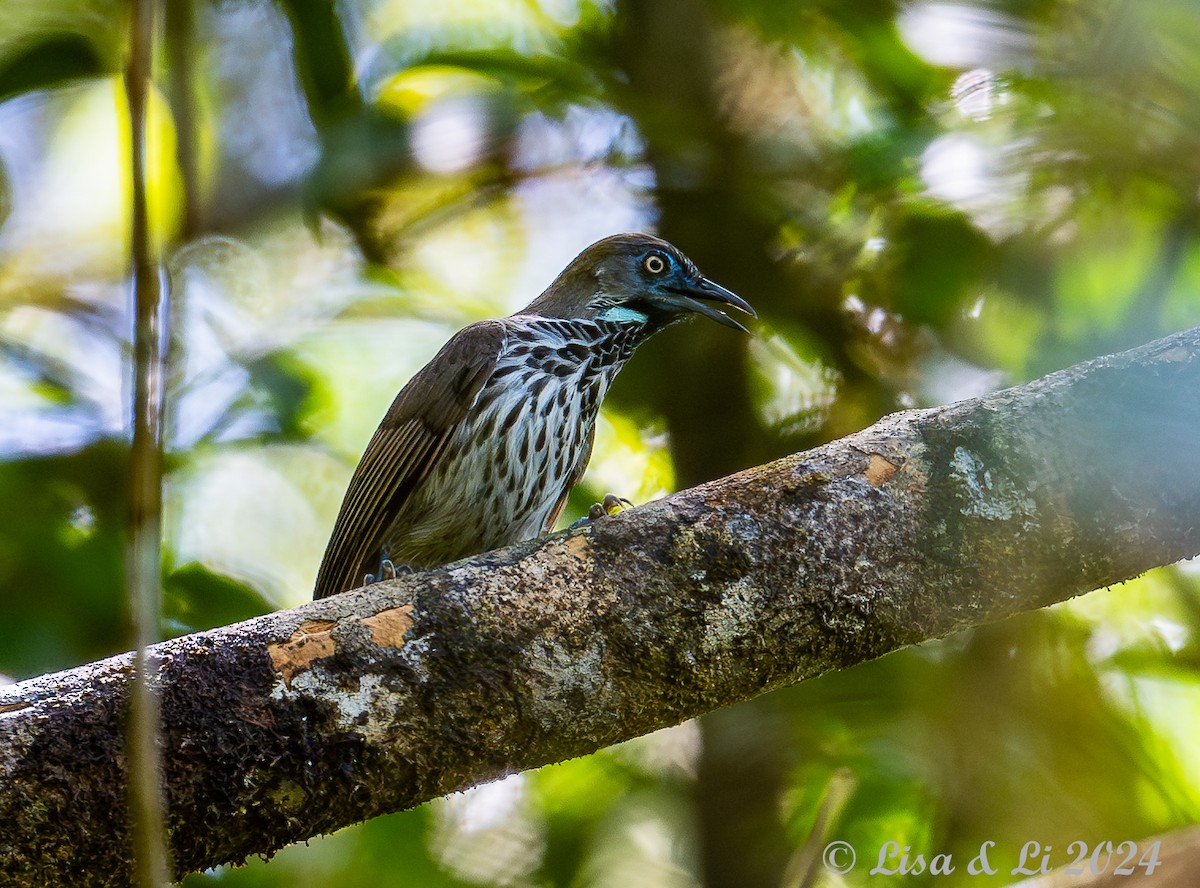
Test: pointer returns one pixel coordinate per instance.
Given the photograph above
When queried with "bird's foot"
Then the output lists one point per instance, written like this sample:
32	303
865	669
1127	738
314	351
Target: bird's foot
387	571
610	505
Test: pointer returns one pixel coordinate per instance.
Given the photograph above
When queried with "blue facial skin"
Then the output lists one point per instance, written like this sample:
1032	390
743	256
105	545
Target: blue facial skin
672	290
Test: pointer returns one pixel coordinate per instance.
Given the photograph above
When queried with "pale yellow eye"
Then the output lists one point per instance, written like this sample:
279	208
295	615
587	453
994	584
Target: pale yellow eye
654	264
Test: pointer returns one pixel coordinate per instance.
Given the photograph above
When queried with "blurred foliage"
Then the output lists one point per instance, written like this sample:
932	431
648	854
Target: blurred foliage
924	201
48	64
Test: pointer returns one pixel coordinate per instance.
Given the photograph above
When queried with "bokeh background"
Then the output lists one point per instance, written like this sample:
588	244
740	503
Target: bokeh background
923	200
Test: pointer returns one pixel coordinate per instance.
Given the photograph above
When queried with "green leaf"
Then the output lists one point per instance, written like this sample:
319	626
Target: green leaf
62	537
195	598
323	61
50	63
941	257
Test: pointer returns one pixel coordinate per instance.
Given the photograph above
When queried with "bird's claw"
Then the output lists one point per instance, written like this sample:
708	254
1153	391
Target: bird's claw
614	505
610	505
388	570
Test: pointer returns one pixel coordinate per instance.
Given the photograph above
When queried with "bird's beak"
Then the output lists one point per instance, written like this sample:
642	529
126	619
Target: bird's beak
689	298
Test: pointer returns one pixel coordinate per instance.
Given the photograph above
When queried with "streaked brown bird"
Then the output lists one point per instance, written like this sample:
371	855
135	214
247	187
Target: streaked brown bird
483	445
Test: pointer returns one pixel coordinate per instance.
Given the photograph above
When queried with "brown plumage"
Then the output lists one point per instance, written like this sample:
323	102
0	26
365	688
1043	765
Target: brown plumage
483	445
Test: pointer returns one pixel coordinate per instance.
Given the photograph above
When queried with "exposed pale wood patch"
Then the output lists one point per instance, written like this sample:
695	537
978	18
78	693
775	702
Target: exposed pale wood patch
312	640
388	627
879	470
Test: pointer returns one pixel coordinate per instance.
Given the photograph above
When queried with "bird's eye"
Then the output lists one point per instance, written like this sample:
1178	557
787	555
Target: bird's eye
655	263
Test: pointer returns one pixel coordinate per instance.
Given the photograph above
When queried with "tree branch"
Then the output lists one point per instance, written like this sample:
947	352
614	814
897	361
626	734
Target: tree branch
303	721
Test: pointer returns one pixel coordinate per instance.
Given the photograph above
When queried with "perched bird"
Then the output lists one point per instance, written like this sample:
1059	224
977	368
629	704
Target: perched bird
483	445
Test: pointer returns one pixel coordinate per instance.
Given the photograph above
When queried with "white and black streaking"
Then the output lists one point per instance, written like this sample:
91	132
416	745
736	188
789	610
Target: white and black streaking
526	441
484	444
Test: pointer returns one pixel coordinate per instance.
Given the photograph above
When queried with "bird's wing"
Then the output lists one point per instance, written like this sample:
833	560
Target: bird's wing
405	449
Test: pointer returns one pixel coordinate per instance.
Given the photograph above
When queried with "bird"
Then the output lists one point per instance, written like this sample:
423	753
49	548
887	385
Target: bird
482	446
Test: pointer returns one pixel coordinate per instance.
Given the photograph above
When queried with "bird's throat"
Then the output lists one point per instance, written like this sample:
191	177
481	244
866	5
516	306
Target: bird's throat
620	314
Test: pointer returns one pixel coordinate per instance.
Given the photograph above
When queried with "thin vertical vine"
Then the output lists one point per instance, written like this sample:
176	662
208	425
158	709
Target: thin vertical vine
144	562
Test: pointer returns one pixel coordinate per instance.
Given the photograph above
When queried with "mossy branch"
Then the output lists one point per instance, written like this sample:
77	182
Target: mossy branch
930	521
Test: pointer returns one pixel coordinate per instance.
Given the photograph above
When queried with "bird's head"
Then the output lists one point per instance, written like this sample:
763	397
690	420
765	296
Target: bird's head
636	279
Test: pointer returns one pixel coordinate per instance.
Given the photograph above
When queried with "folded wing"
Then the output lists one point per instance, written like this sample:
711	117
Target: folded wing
405	448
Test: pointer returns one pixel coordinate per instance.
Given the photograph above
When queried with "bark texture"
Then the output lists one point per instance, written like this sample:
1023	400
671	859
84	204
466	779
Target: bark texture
303	721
